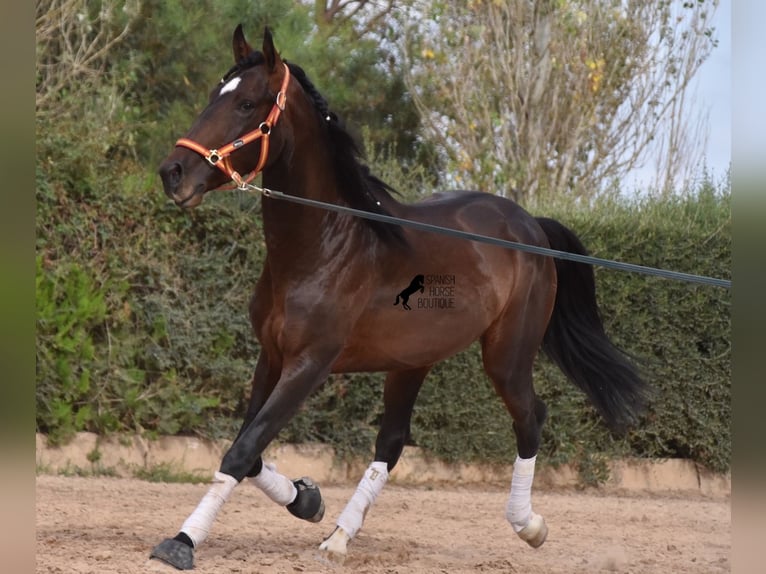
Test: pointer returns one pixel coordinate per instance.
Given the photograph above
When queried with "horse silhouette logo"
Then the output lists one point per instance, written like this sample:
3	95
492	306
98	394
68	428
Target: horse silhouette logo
417	284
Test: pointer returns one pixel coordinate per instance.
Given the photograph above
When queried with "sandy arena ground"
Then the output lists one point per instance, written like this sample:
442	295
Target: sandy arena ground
109	525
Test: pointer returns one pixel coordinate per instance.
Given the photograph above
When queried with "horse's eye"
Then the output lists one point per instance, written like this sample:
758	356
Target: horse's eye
247	106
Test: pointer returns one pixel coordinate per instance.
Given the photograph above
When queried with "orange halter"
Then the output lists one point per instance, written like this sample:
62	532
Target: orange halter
220	157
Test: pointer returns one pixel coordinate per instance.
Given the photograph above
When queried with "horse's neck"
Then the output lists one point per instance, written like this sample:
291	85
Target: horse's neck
310	237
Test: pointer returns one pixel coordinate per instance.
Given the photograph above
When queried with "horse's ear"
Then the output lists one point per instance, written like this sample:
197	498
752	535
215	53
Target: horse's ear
269	52
240	46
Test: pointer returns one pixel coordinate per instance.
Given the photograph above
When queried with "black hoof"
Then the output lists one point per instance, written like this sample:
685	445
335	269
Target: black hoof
308	505
175	553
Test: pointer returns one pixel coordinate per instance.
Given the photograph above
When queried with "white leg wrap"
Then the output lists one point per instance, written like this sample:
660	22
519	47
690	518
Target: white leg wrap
197	526
276	486
372	483
519	508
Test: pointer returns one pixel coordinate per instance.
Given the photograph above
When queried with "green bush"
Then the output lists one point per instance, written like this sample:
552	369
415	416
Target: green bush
680	331
142	311
70	314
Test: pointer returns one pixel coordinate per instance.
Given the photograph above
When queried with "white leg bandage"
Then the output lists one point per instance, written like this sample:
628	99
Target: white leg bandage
367	491
276	486
197	526
519	508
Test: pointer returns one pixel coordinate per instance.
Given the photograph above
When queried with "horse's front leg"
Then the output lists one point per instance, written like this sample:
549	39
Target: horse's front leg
300	376
296	495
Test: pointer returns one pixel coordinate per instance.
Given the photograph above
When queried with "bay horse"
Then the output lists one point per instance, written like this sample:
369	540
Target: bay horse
322	304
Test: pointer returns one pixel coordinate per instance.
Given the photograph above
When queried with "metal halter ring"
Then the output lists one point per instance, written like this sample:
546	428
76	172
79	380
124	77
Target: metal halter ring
281	101
265	128
214	157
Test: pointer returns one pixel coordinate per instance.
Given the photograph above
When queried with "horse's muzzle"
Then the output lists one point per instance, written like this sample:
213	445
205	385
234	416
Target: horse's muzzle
172	175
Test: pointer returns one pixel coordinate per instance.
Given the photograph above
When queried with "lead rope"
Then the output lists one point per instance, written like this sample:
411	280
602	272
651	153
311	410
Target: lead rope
546	251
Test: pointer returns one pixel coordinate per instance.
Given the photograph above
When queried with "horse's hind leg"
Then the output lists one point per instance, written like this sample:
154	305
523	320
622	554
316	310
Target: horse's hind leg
399	395
509	348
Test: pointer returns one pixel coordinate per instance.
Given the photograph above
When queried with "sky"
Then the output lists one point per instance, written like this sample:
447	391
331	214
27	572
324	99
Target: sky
714	92
712	96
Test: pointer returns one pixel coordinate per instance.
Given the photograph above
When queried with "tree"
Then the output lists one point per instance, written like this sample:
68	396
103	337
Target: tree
73	40
532	97
366	14
355	63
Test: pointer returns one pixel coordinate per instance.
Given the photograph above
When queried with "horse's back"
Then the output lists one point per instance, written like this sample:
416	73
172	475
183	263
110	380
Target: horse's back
478	212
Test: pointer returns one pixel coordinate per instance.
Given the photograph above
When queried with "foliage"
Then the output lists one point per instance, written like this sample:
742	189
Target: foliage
680	333
168	473
523	98
73	41
141	323
70	311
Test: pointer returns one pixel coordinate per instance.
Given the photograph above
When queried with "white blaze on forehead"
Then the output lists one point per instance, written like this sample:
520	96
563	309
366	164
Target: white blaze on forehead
230	86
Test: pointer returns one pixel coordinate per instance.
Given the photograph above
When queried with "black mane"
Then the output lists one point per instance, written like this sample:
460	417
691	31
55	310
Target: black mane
356	185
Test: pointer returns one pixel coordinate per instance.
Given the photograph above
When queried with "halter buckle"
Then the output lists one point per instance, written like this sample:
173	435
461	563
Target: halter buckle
213	157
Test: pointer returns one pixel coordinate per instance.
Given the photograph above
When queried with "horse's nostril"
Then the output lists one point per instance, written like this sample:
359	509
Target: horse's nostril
171	174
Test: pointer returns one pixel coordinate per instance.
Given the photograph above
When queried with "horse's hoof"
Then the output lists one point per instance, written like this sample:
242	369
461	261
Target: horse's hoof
535	532
335	546
308	505
175	553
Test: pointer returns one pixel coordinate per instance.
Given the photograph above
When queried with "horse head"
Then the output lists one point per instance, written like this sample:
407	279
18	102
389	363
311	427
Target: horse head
239	132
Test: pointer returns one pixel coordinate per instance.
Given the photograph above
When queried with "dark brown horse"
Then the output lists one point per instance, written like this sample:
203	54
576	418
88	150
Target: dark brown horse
323	302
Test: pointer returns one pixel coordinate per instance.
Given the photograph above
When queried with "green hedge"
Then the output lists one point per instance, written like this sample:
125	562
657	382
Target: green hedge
679	332
142	325
142	312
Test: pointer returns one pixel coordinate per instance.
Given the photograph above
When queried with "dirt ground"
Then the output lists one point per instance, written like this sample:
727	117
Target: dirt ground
109	525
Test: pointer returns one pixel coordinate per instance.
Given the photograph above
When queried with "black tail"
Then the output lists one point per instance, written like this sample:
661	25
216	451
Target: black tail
576	341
